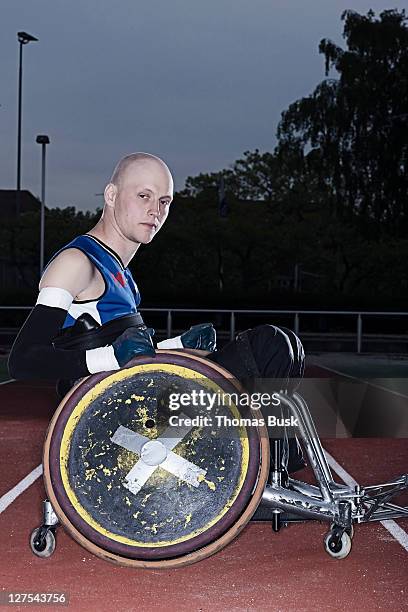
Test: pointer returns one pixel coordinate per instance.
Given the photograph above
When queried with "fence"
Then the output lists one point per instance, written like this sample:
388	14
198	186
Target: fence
296	315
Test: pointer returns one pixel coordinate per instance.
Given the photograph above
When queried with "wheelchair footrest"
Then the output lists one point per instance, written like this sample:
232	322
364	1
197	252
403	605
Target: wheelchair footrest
375	501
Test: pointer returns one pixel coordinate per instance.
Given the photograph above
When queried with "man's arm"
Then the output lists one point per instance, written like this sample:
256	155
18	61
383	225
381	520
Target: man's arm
33	354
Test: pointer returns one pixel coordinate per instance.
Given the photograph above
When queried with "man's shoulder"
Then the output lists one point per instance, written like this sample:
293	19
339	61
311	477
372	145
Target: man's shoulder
72	256
70	269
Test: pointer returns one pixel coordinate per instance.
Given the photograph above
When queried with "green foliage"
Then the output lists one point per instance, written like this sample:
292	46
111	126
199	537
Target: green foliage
353	130
335	188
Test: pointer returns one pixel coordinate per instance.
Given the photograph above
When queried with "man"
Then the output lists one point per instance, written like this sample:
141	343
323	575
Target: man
87	284
85	319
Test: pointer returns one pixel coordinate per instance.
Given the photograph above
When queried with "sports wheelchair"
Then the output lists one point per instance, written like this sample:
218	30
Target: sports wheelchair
125	509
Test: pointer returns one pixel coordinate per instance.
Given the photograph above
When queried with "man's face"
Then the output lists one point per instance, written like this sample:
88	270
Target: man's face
142	200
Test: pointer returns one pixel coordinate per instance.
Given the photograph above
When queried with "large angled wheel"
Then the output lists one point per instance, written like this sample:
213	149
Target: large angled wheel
139	483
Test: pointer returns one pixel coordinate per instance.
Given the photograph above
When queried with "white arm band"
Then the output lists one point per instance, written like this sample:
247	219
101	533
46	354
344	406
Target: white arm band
55	297
170	343
101	359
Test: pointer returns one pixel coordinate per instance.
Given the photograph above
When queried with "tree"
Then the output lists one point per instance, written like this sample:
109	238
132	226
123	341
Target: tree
337	183
353	131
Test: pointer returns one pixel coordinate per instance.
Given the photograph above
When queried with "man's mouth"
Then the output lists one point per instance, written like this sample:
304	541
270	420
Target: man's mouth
152	225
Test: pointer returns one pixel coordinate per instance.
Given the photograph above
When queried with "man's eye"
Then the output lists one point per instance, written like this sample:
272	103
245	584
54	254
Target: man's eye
143	195
165	202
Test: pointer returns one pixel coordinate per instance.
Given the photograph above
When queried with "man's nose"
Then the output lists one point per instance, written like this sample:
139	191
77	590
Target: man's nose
154	209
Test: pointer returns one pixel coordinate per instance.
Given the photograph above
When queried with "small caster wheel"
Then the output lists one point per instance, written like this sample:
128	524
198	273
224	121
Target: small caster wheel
42	542
337	546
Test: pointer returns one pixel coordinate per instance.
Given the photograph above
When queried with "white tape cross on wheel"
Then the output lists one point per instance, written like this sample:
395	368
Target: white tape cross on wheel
157	453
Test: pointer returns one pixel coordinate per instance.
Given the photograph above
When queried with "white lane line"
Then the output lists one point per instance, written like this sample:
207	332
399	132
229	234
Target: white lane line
339	373
20	487
341	472
390	525
397	531
6	382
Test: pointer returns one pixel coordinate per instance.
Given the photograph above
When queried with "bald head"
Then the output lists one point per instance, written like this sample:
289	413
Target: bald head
138	161
138	197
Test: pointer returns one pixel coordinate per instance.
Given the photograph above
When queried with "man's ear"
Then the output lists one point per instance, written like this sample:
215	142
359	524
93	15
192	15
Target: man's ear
110	194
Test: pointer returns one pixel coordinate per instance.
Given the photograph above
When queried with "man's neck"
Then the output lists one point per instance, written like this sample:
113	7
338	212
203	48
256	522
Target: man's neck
126	249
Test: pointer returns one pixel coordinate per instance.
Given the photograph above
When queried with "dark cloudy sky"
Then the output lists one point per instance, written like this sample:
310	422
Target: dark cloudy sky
196	82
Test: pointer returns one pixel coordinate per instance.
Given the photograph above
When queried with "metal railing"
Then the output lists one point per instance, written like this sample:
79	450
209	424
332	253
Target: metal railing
233	313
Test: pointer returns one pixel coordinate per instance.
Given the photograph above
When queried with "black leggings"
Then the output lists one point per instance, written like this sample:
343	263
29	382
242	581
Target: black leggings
267	352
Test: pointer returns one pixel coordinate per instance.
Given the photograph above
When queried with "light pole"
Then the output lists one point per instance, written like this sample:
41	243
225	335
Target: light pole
23	38
43	140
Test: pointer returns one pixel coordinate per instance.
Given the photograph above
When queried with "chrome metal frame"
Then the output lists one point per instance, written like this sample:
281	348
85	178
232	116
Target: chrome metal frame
329	501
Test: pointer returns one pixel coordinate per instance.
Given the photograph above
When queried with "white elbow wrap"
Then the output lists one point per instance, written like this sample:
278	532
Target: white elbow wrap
55	297
170	343
101	359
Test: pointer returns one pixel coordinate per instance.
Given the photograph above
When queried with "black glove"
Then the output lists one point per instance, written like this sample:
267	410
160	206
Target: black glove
134	341
201	337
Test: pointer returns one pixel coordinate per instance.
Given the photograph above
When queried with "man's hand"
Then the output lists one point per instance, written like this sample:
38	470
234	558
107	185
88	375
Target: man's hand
201	337
133	342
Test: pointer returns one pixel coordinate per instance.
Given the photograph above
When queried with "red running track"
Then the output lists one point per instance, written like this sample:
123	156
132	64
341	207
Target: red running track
258	571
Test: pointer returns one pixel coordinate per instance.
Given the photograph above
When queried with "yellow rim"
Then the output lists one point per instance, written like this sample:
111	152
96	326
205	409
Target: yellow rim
90	396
